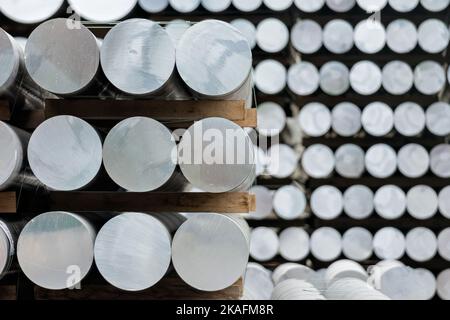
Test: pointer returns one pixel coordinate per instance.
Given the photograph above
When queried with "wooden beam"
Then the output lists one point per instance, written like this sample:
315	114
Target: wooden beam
8	292
8	202
5	112
235	202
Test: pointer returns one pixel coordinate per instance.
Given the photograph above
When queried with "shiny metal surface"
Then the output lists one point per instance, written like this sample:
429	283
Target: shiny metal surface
30	11
421	244
264	244
379	271
381	161
338	36
289	202
56	249
22	42
342	269
440	160
422	202
264	199
370	36
303	78
65	153
353	289
214	59
176	29
12	57
409	119
309	5
365	77
390	202
283	161
138	57
377	119
257	283
340	5
231	167
247	5
401	283
358	202
443	285
426	282
103	10
429	77
271	119
389	243
294	244
154	6
401	35
133	251
294	289
327	202
281	269
350	161
398	77
8	241
314	119
318	161
346	119
306	36
184	6
334	78
210	251
304	273
278	5
216	6
433	35
444	202
326	244
372	5
438	118
357	244
444	244
403	5
413	160
248	30
435	5
272	35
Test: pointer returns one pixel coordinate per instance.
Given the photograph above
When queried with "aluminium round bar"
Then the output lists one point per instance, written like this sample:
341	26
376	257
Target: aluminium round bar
438	119
433	36
30	11
410	119
342	269
247	5
429	77
12	59
289	202
378	271
103	10
421	244
281	269
154	6
302	272
381	161
341	5
309	5
346	119
403	5
314	119
377	119
306	36
283	161
435	5
390	202
216	6
270	77
334	78
318	161
350	161
413	160
9	234
358	202
338	36
372	6
443	285
294	289
264	244
326	244
444	202
398	77
327	202
444	244
248	30
422	202
440	160
278	5
56	249
258	283
353	289
271	119
399	282
176	29
401	35
65	153
184	6
426	282
365	77
210	251
264	200
22	42
294	244
357	244
370	36
272	35
389	244
303	78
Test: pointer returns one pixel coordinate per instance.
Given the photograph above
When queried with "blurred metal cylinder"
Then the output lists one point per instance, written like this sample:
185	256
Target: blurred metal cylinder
103	10
429	77
421	244
264	244
56	249
338	36
9	233
261	161
433	36
427	282
350	161
353	289
184	6
318	161
438	119
304	273
309	5
278	5
294	244
377	119
264	200
403	5
327	202
342	269
409	119
444	244
443	285
358	202
365	77
303	78
370	36
154	6
210	251
271	119
281	269
346	119
390	202
283	161
440	160
65	153
272	35
289	202
413	160
294	289
435	5
314	119
247	5
398	77
341	5
248	30
326	244
258	283
334	78
176	29
389	243
306	36
216	6
270	77
381	161
422	202
372	5
357	244
444	202
30	11
378	272
401	35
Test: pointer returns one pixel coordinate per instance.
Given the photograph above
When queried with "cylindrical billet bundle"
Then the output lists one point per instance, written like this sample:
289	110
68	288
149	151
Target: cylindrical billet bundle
154	6
381	161
338	36
365	77
342	269
216	6
294	289
435	5
377	119
264	244
370	36
341	5
248	30
133	251
438	119
283	161
138	57
214	60
176	28
377	272
444	244
318	161
56	249
409	119
413	160
294	244
304	273
271	119
353	289
403	5
433	36
309	5
326	244
401	35
103	10
398	77
429	77
289	202
9	233
184	6
440	160
306	36
389	244
210	251
421	244
303	78
334	78
327	202
358	202
272	35
258	283
357	244
371	6
314	119
270	76
444	202
65	153
279	271
30	11
350	161
443	285
247	5
422	202
390	202
264	198
346	119
228	166
278	5
139	155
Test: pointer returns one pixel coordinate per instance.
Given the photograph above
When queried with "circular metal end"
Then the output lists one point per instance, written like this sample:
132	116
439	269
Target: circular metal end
338	36
341	5
390	202
306	36
346	119
264	244
429	77
334	78
403	5
270	76
65	153
401	35
6	250
365	77
433	36
422	202
279	271
247	5
426	281
30	11
377	119
435	5
444	244
133	251
438	119
370	36
216	6
443	285
62	60
350	161
138	57
213	58
278	5
326	244
184	6
264	198
381	161
11	155
372	5
248	30
318	161
154	6
103	10
358	202
303	78
357	244
421	244
327	202
56	250
440	160
11	61
389	244
413	160
315	119
409	119
398	77
309	5
283	161
140	154
258	284
272	35
342	269
444	202
271	119
289	202
294	244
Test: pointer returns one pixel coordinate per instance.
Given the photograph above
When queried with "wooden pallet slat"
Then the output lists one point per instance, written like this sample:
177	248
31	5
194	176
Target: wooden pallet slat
8	203
5	113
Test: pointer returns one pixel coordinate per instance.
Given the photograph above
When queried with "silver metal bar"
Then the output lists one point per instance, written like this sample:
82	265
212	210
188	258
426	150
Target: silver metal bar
439	160
184	6
413	160
314	119
271	119
326	244
341	5
350	161
381	161
403	5
248	30
338	36
303	78
264	244
9	233
435	5
365	77
443	285
398	77
272	35
377	119
433	36
282	161
247	5
216	6
346	119
257	283
353	289
289	202
318	161
154	6
264	198
270	77
357	244
334	78
30	11
306	36
343	269
421	244
444	202
401	35
294	244
429	77
389	244
309	5
409	119
327	202
444	244
372	5
103	10
438	119
358	202
390	202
